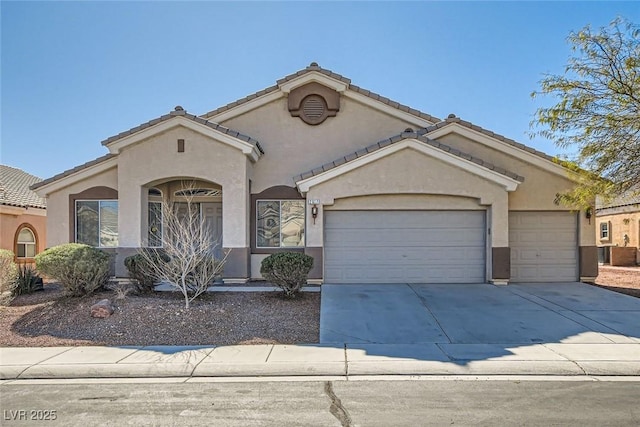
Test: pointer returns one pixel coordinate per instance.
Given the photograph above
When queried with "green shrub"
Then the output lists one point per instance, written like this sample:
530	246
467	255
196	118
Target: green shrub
8	276
28	281
139	271
80	269
287	270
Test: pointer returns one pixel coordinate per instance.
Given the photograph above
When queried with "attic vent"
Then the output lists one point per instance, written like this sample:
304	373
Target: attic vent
313	107
313	103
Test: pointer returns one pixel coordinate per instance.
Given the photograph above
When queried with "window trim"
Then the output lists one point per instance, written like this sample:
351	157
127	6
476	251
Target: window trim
605	230
17	241
99	201
280	201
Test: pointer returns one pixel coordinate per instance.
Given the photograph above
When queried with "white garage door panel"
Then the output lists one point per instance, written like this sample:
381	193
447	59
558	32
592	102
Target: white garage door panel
543	246
404	247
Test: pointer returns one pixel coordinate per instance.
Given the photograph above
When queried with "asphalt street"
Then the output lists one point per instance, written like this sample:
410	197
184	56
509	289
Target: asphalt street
546	402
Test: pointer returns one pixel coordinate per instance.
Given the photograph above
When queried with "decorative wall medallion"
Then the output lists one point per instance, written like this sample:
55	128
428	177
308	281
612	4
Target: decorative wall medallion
314	103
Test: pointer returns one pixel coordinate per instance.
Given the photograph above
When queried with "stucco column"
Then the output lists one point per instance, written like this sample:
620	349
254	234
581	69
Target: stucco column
235	230
498	238
130	202
588	251
314	240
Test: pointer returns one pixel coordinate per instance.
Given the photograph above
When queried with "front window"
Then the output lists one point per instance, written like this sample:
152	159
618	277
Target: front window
280	223
155	224
604	230
26	244
97	223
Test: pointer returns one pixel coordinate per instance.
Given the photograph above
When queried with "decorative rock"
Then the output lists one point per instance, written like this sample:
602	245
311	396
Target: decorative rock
102	309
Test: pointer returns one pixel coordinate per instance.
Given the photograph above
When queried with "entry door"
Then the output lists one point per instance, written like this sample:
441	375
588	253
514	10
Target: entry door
212	214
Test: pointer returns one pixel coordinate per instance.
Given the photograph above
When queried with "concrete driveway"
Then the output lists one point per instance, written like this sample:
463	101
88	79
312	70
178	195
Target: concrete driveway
477	314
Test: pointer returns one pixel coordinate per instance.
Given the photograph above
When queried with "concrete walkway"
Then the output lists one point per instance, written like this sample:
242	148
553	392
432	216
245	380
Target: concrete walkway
481	330
320	360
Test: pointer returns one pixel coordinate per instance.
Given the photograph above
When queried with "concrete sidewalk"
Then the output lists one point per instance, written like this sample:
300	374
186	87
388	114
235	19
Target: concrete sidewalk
615	359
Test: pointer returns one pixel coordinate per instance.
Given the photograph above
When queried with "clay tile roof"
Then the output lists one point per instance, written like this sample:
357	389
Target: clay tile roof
315	67
407	135
15	191
179	111
628	199
73	170
453	119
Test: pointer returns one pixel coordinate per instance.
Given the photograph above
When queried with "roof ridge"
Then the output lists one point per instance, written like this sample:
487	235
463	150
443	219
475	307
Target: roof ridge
452	118
73	170
179	111
407	134
315	67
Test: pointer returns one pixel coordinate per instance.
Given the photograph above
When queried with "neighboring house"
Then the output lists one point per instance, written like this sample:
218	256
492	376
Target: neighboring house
23	214
374	191
618	230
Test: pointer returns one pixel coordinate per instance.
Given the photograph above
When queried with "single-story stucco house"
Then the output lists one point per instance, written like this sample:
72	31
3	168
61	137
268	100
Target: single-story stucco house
23	222
618	230
374	191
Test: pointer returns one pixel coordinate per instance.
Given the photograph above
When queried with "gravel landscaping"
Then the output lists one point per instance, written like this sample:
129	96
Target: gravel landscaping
620	279
46	319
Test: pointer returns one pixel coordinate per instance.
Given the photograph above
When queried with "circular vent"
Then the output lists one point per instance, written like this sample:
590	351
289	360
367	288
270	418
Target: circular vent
314	109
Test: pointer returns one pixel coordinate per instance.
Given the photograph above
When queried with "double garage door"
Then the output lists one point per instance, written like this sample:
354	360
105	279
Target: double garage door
404	247
444	246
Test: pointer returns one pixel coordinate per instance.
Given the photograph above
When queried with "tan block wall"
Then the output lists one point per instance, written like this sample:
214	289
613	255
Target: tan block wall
621	256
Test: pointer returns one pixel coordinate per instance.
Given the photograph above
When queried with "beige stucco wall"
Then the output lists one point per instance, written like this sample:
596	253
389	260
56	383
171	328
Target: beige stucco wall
293	147
620	224
58	204
156	160
410	172
10	222
539	189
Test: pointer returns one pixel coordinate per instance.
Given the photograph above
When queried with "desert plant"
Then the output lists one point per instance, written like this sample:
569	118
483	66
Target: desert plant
287	270
28	280
8	276
122	289
80	269
139	270
186	261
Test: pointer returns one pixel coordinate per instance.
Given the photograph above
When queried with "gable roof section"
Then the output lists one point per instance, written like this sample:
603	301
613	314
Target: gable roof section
179	112
101	163
453	124
630	200
466	161
15	191
283	85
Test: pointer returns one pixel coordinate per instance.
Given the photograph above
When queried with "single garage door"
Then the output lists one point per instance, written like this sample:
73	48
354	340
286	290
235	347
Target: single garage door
544	246
404	247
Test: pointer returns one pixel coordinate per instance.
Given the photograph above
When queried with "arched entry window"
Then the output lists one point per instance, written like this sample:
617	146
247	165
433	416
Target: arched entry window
26	243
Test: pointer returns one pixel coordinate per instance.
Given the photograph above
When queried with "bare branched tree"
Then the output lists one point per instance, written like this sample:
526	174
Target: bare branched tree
187	260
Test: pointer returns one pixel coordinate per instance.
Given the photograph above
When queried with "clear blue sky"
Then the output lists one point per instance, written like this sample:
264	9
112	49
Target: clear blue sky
75	73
